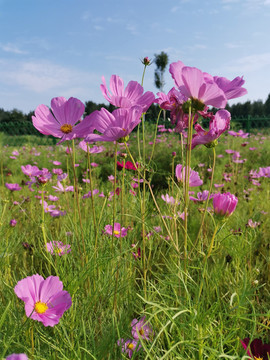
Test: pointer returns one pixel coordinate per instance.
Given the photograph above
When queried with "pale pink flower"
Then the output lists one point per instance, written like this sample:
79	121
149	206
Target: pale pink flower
140	328
58	248
194	178
168	199
115	126
126	97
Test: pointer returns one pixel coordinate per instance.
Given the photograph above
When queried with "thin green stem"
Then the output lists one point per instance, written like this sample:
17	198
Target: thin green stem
207	200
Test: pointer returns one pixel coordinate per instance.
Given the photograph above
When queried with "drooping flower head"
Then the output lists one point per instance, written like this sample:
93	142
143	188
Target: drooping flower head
194	178
141	329
45	300
115	126
126	97
62	121
256	349
224	204
217	126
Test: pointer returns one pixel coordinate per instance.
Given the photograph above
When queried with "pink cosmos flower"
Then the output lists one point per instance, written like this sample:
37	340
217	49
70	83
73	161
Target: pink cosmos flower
256	349
13	223
194	178
30	170
195	84
47	208
115	126
60	187
253	224
61	121
168	199
89	194
129	346
201	196
217	126
232	89
128	97
12	187
56	163
17	357
141	329
44	299
224	204
117	230
239	133
58	248
92	149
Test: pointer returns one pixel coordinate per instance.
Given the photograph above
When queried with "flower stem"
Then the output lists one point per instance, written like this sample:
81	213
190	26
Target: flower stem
207	200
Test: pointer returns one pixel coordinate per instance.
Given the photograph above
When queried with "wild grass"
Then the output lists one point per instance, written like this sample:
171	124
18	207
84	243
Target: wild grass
197	311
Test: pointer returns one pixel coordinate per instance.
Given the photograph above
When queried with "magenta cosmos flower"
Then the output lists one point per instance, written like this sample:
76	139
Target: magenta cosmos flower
44	300
58	248
129	346
198	86
224	204
126	97
115	126
17	357
61	121
194	178
256	349
232	89
217	126
12	187
141	329
117	230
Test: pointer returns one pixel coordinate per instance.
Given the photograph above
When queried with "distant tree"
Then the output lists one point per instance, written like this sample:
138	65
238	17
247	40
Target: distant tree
257	108
267	106
161	60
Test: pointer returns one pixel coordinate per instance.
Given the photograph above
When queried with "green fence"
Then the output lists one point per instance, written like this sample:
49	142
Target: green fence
250	122
26	127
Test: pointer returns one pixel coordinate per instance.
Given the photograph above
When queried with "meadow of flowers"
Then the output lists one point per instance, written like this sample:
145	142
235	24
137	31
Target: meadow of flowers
132	241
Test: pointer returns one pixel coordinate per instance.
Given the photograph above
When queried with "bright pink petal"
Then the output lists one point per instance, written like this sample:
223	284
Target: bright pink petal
176	72
28	289
49	287
45	123
117	85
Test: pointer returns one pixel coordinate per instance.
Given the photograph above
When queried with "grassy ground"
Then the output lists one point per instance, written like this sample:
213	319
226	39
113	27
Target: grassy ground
197	309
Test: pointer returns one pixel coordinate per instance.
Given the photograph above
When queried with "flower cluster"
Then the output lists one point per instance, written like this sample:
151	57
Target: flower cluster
194	91
140	330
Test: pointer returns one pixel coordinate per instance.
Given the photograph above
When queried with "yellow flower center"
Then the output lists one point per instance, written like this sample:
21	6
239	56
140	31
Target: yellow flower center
141	332
66	128
57	250
41	307
116	232
257	358
124	129
130	346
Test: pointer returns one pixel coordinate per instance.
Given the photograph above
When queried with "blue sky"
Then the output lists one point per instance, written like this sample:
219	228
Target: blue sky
54	48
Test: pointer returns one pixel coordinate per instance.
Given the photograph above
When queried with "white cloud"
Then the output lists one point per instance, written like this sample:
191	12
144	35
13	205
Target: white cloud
250	63
12	48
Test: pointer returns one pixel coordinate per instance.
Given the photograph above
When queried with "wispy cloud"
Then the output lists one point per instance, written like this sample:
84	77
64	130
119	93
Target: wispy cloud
44	76
12	48
250	63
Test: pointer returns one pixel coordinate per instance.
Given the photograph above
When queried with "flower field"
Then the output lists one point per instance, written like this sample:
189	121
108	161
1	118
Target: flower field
132	241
